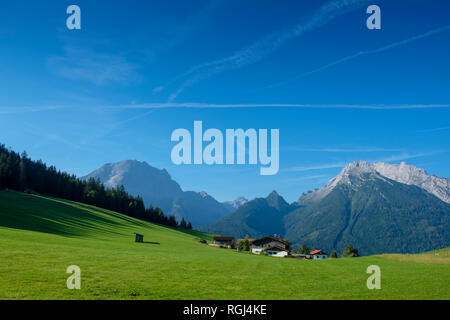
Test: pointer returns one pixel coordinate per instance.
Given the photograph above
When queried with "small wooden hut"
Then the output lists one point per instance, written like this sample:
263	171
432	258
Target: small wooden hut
139	237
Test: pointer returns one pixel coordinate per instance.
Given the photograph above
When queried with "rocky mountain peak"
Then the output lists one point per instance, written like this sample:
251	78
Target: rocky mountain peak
203	194
352	174
274	193
276	201
411	175
359	171
114	174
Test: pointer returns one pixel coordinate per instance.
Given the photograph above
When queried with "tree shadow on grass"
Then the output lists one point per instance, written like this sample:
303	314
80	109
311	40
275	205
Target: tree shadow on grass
60	217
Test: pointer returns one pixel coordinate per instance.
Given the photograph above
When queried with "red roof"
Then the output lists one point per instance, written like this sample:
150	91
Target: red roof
317	252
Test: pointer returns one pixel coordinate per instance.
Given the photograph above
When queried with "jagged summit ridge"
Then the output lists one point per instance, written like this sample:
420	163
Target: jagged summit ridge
357	171
408	174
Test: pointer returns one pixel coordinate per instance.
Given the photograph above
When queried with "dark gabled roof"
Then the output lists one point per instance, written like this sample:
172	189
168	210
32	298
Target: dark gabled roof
218	238
271	238
275	248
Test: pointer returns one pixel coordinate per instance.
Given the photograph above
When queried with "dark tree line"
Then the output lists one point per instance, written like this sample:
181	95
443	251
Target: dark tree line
20	173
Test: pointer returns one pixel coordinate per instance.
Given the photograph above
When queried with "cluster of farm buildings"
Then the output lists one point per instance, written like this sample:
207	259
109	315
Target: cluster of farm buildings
270	245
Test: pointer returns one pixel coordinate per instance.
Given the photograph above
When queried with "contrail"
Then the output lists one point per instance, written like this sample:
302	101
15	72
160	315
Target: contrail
399	157
435	129
198	105
15	110
363	53
264	47
194	105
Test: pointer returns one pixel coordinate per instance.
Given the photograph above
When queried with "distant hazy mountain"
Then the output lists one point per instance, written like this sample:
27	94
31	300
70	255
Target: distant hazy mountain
199	208
256	218
375	207
157	188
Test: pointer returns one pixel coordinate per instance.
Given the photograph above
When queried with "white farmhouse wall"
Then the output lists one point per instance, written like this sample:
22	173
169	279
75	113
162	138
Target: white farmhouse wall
274	253
319	256
257	250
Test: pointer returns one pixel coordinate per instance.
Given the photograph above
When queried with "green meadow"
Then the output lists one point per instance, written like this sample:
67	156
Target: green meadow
41	236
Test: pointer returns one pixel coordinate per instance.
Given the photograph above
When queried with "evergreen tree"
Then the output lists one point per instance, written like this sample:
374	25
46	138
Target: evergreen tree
172	221
333	255
244	244
183	223
189	225
23	172
304	249
350	252
18	172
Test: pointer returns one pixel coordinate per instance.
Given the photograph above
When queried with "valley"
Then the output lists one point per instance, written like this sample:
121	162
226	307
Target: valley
41	236
360	207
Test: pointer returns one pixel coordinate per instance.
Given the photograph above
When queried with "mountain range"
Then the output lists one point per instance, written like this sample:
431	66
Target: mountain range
375	207
157	188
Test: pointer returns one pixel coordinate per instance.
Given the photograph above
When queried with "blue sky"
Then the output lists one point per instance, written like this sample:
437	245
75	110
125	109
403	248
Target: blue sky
117	88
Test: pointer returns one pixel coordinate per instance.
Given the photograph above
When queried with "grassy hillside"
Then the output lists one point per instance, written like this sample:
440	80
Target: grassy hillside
435	257
40	237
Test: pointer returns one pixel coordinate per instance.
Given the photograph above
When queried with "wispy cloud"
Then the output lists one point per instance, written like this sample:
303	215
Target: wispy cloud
95	67
308	178
167	105
342	150
435	129
392	158
46	136
157	89
407	156
180	31
195	105
364	53
115	125
21	110
317	167
267	45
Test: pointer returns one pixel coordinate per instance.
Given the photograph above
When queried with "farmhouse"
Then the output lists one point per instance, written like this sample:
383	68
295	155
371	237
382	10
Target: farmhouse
250	240
275	251
226	242
318	254
271	246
